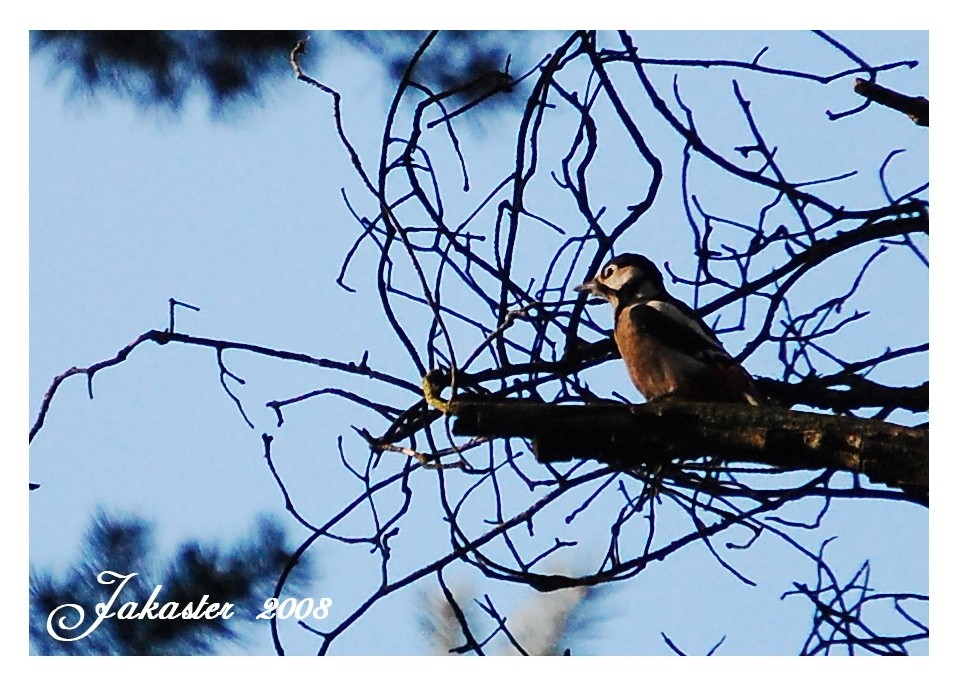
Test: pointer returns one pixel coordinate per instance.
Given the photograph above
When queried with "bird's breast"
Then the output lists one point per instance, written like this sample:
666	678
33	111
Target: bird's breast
654	367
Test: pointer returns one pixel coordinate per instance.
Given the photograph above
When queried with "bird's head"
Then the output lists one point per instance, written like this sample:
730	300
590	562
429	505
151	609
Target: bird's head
625	277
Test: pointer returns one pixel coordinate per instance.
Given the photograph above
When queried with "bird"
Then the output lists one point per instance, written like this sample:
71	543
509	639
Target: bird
670	353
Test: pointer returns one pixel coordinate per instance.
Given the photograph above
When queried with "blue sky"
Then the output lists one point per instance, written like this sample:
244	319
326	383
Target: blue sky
244	219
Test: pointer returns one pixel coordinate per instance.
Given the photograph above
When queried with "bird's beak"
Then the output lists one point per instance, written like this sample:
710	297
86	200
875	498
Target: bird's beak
591	287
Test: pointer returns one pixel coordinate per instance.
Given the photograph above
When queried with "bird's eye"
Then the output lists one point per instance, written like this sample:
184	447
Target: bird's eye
608	272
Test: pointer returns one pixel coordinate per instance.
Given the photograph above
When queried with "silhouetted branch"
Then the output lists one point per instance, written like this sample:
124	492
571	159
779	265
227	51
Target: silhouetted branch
914	107
632	436
164	337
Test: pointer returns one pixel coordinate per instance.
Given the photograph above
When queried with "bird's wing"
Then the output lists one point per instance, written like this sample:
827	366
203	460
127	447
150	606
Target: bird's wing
675	325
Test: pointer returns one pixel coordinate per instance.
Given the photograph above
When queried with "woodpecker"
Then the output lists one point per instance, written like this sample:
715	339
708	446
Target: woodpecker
670	353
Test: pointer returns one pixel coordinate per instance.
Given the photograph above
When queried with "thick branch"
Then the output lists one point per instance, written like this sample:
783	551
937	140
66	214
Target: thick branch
628	436
860	392
915	107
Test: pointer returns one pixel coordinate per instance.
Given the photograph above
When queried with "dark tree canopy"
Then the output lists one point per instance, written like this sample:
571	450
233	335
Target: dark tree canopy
163	69
241	575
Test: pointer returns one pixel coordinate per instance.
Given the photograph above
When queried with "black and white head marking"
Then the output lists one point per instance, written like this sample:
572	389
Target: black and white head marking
626	277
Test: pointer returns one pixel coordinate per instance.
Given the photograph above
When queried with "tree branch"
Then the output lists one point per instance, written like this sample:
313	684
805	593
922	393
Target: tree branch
630	436
164	337
915	107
